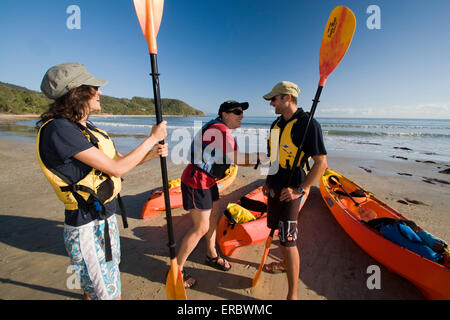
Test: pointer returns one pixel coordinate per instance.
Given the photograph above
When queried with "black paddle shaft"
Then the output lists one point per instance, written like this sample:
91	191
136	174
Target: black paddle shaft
311	115
336	180
159	119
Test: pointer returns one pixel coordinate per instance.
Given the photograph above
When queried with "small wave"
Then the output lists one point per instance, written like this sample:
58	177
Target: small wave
131	125
382	126
380	134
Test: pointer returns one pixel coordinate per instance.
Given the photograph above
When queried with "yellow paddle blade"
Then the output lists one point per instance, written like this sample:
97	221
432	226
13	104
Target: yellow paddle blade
336	39
366	214
174	283
149	13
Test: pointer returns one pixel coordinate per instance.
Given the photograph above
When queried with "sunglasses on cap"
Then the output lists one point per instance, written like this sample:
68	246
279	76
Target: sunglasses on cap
237	112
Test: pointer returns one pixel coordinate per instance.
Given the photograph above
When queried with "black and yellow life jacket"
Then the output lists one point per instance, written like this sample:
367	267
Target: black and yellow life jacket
92	191
287	149
96	185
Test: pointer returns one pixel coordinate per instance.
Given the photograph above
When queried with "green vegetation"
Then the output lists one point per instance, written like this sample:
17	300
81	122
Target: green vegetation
20	100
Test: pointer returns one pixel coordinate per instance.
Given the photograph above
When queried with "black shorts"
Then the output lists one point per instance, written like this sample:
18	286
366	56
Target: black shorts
284	217
199	198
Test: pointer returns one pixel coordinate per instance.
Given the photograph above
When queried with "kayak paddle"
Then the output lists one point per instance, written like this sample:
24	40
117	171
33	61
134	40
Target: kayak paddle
336	40
149	13
263	260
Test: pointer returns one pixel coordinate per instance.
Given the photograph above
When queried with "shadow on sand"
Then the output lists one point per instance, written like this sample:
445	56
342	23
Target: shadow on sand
331	264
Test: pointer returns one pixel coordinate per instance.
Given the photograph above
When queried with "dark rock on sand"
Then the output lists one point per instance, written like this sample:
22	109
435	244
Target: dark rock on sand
403	148
427	161
367	170
432	180
404	174
415	202
370	143
398	157
428	181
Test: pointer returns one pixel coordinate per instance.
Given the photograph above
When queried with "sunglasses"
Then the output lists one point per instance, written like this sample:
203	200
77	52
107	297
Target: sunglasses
274	98
237	112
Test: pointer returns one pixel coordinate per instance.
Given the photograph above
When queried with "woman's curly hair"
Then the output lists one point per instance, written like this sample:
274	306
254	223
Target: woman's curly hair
73	105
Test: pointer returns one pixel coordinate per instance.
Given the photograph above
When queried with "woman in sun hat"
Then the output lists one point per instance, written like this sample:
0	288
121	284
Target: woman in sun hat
85	170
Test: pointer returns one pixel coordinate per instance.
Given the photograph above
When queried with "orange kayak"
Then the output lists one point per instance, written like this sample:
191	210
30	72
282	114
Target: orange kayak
431	278
155	203
231	236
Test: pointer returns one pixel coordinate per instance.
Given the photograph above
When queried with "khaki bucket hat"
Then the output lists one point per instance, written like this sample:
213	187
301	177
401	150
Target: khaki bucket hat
283	87
60	79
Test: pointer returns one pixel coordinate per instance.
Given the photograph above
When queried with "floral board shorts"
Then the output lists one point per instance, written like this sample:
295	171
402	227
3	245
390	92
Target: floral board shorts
85	246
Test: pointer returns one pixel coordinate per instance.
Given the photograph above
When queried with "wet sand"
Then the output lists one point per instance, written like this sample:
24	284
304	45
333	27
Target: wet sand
33	262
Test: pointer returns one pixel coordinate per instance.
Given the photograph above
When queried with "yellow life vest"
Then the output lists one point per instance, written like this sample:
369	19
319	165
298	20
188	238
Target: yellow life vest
235	213
286	147
174	183
96	185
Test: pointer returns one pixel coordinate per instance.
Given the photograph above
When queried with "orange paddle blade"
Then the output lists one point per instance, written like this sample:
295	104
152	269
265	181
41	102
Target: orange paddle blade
263	261
149	13
174	283
336	39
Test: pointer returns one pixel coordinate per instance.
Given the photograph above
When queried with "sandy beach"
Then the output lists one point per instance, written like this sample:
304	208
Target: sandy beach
34	264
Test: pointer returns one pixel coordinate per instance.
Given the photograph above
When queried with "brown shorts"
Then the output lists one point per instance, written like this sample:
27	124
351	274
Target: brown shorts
284	216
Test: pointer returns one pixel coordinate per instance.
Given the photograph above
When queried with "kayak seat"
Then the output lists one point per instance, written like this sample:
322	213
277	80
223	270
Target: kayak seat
356	195
253	205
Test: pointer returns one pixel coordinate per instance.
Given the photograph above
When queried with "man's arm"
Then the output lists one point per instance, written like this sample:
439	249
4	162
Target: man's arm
247	159
319	166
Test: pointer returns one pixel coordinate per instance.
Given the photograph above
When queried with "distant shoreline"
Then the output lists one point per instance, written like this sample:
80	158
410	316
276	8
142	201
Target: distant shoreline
6	117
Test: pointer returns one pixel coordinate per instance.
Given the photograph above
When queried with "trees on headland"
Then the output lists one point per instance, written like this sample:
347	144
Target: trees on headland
19	100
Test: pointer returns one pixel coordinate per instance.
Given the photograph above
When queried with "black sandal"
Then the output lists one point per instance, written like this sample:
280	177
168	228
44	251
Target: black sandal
186	278
214	262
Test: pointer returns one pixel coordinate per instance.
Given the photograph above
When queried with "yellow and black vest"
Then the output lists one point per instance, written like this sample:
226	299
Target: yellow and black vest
285	149
92	191
96	185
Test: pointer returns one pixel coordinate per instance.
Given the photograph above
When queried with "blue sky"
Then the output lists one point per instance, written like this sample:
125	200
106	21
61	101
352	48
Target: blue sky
210	51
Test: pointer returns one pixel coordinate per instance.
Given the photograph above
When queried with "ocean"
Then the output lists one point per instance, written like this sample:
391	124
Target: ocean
413	139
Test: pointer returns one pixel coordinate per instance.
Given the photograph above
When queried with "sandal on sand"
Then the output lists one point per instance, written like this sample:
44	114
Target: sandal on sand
214	262
274	267
188	281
